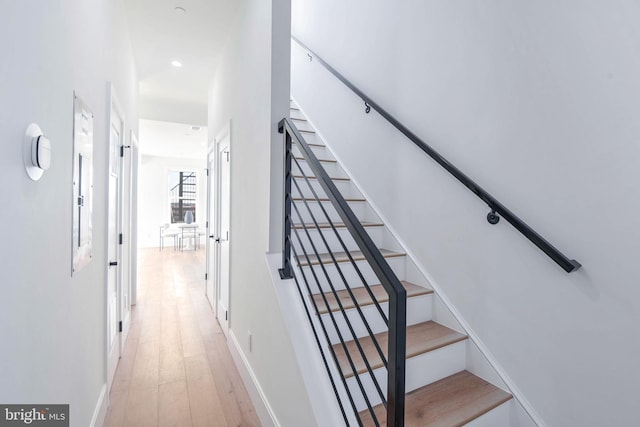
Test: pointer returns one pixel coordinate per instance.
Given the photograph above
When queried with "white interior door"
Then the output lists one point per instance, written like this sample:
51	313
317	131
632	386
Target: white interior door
114	264
222	236
212	248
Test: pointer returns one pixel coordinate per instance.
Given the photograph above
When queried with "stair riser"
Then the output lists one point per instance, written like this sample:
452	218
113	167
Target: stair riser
310	138
418	310
332	169
358	209
347	189
331	240
420	370
302	125
320	152
498	416
396	264
296	114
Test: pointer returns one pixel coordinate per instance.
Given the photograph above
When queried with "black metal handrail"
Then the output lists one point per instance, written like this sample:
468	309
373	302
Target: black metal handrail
396	321
497	208
183	180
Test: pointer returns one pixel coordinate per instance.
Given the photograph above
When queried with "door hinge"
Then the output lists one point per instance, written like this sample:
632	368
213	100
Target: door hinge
206	276
120	238
120	326
207	226
226	315
207	172
122	147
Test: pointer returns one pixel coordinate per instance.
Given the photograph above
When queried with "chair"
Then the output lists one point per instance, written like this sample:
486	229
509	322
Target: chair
165	232
202	231
188	233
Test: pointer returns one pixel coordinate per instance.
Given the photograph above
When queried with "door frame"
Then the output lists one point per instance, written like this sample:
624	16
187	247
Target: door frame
222	135
114	109
211	248
126	247
135	162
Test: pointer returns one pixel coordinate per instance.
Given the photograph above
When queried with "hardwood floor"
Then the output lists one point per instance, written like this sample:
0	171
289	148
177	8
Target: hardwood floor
176	369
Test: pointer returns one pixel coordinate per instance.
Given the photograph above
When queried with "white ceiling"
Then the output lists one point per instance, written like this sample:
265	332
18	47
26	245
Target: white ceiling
176	140
160	34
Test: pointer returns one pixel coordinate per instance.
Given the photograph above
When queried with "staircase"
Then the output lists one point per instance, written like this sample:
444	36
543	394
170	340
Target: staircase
441	388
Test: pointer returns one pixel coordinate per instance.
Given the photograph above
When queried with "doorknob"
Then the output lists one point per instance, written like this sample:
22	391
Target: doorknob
212	237
113	263
218	240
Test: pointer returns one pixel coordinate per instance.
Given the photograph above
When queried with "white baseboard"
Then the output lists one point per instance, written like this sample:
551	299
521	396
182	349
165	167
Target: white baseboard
259	400
473	337
100	411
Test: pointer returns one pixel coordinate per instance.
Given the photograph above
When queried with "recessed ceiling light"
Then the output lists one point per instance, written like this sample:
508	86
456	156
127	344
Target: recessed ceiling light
195	128
176	64
180	9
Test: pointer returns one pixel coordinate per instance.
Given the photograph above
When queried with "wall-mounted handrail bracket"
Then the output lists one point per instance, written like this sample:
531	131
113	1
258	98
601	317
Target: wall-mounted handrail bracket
497	209
367	108
493	217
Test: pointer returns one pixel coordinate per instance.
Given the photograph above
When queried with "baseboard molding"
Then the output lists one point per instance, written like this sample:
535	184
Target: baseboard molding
100	411
473	336
258	398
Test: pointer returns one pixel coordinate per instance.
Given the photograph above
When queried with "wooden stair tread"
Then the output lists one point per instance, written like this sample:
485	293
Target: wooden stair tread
335	224
342	257
452	401
325	199
421	338
315	177
362	296
313	144
320	160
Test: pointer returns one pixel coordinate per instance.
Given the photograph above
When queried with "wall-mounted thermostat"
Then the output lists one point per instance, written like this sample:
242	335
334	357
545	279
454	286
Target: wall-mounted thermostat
36	152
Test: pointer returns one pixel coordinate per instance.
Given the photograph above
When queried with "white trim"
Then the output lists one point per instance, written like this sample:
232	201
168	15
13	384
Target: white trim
513	389
133	238
114	110
258	398
321	395
222	133
100	411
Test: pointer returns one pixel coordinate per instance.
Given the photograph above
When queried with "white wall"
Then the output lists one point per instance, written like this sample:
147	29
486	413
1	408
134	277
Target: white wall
536	101
171	110
153	195
245	89
52	334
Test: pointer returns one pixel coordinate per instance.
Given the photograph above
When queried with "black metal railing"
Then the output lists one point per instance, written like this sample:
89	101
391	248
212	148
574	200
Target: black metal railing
497	208
182	197
319	256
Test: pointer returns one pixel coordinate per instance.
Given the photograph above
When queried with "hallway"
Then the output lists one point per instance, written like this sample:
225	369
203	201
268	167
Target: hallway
176	369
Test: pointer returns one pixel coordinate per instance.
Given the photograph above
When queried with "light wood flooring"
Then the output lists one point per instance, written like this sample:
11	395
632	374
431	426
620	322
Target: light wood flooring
176	369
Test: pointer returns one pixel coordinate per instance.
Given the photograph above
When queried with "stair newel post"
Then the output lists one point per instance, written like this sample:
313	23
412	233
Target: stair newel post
285	271
397	357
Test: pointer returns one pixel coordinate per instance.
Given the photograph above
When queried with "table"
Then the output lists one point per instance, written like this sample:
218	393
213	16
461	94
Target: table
188	231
